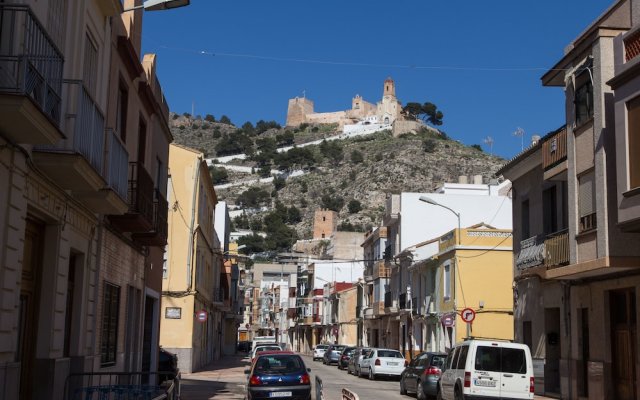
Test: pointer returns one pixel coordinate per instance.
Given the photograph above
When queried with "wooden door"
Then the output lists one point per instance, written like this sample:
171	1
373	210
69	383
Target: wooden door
29	304
623	339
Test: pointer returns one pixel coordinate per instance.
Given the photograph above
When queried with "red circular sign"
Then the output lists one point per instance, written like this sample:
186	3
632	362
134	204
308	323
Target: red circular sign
201	315
468	315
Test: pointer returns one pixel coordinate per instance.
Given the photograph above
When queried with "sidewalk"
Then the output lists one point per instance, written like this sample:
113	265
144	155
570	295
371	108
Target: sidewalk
223	379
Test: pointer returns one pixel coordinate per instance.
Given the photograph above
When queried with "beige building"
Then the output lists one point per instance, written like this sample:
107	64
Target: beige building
191	294
83	177
576	242
347	321
386	111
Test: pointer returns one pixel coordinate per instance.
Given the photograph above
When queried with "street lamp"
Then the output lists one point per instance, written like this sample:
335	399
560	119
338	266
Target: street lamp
435	203
156	5
429	200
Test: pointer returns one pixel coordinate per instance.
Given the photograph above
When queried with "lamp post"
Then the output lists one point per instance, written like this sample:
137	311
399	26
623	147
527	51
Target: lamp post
156	5
429	200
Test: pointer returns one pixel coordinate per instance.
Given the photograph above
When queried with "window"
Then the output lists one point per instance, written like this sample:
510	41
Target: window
488	358
549	210
525	220
587	201
142	140
90	73
110	311
462	357
583	100
456	355
447	282
513	361
121	112
633	137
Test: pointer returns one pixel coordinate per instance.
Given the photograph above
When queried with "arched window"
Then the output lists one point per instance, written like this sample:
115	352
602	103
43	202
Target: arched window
386	120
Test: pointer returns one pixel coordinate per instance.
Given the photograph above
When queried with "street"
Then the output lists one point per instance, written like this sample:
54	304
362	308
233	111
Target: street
334	380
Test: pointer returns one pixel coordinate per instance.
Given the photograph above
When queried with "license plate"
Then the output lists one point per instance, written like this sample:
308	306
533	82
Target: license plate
280	394
484	382
392	363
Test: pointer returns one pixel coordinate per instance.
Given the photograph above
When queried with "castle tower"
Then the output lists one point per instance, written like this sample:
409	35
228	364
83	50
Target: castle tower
389	88
325	223
298	110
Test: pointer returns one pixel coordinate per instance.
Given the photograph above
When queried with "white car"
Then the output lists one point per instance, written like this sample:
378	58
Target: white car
385	362
319	350
264	347
487	369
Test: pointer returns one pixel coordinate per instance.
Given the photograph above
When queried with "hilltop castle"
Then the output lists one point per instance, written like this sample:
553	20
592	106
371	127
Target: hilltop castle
385	112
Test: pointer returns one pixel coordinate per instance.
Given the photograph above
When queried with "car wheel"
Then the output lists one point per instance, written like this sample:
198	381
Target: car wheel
403	390
372	376
420	391
458	394
439	395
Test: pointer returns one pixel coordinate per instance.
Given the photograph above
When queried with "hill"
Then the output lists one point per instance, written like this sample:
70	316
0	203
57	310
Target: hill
352	176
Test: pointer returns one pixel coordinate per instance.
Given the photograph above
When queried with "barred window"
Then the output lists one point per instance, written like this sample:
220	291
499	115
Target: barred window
110	316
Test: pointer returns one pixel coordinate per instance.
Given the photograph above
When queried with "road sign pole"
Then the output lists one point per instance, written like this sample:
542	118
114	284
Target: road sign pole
468	330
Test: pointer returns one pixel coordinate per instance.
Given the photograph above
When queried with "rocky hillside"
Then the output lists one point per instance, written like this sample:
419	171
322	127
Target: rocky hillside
352	175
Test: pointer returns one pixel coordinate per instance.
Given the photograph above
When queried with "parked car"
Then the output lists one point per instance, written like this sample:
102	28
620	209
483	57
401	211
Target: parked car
332	355
356	358
487	368
167	365
422	374
278	374
345	356
263	347
385	362
319	350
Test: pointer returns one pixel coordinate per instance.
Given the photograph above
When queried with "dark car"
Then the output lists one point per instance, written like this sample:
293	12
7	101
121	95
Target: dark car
278	374
167	365
422	374
353	366
332	355
345	356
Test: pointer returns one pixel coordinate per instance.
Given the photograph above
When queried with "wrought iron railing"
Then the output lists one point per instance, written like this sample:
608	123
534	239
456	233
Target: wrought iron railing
556	248
161	208
30	62
117	164
123	386
531	252
140	191
88	133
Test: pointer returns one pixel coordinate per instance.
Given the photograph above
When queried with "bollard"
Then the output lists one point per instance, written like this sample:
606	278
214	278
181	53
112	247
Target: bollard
319	395
349	395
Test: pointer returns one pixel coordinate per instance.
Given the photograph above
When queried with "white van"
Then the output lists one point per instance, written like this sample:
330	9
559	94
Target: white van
487	369
262	339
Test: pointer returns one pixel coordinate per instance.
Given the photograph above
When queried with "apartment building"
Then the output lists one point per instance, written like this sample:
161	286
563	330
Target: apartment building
83	172
576	260
191	295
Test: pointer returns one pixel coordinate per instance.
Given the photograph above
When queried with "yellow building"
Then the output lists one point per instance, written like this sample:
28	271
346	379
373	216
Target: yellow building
474	271
191	296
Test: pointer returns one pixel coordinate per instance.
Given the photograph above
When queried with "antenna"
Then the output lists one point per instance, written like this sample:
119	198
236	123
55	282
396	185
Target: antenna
193	109
520	132
489	142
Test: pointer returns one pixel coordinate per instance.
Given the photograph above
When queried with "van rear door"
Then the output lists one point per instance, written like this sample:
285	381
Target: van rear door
486	375
516	373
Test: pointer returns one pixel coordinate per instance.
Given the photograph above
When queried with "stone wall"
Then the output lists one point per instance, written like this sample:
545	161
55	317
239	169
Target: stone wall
403	126
298	110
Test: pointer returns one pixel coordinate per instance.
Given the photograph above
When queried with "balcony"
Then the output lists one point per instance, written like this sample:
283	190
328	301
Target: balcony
390	304
367	313
556	249
380	270
531	253
30	79
554	154
140	216
378	308
158	235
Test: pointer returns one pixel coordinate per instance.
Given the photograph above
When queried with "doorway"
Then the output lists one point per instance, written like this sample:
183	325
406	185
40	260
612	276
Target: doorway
553	350
29	306
622	309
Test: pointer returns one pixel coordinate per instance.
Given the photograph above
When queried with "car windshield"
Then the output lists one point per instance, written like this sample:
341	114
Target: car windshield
349	351
389	353
279	364
267	348
437	361
339	348
321	347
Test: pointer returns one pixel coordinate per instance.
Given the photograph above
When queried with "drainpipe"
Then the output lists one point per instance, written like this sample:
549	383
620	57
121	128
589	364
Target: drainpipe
196	180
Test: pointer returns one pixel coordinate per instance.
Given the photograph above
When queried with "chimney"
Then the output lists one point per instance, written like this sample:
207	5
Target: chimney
463	179
477	179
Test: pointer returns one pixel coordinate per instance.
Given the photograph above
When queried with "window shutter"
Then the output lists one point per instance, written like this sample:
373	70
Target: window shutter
587	195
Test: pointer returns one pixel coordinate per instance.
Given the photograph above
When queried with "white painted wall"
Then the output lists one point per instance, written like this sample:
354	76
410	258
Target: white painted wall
329	271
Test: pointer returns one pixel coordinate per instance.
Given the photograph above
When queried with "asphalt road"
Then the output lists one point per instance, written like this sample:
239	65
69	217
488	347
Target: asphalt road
333	380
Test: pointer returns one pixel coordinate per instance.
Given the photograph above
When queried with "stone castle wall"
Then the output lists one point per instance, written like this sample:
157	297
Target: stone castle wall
298	110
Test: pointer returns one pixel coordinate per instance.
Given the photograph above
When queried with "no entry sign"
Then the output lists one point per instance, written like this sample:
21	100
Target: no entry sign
201	315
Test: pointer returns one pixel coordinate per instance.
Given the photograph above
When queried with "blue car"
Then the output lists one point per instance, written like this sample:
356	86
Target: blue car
278	374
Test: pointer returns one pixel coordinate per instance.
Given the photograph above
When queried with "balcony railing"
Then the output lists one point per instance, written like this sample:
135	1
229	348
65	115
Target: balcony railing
380	270
117	164
554	149
88	134
556	249
30	63
531	253
123	385
140	191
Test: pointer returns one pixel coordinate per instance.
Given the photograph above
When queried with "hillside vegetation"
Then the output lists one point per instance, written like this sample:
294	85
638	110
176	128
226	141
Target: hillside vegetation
351	176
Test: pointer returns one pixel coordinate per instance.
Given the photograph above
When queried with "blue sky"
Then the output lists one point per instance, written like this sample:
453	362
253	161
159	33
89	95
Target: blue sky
479	62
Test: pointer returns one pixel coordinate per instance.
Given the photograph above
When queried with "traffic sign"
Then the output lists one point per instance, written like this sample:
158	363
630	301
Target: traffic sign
468	315
448	320
201	315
